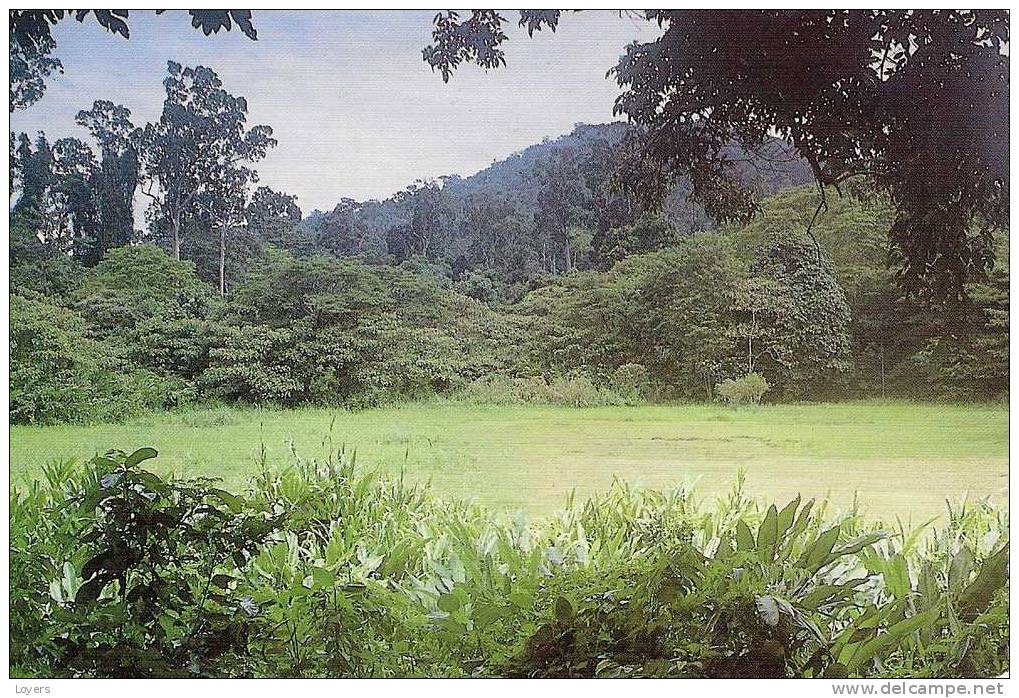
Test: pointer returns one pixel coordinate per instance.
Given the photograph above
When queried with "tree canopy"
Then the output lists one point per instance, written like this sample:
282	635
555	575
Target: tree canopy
916	101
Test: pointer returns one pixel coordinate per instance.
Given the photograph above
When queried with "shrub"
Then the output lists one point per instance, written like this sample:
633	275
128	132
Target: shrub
747	390
338	332
148	587
59	374
577	391
177	344
39	267
630	381
136	283
533	390
258	364
495	390
478	285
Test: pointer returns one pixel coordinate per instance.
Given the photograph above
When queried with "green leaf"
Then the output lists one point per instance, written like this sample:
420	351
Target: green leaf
744	538
892	636
322	578
170	628
786	517
153	482
993	576
859	543
448	603
487	614
396	560
827	593
234	502
520	599
222	581
960	569
142	454
767	534
802	520
819	552
564	610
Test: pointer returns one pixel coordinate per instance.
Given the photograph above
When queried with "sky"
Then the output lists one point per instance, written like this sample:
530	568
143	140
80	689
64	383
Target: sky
355	109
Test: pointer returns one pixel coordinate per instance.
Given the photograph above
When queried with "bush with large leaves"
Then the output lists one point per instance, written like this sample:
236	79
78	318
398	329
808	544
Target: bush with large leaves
146	588
325	569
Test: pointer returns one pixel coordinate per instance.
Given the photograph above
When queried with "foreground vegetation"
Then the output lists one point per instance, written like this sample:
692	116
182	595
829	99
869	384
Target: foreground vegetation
529	457
327	570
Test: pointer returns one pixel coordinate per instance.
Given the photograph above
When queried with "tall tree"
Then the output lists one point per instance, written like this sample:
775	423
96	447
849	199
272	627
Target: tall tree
200	137
34	173
428	218
562	205
30	66
225	203
72	212
915	100
56	201
272	215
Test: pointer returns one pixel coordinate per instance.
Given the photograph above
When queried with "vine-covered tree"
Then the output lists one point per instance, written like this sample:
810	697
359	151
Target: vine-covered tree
116	178
795	318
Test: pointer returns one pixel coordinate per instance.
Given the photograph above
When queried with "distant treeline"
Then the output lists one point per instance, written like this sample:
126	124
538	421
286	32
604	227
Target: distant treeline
553	208
819	316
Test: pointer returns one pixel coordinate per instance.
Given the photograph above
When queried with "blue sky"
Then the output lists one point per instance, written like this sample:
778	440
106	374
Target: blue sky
356	111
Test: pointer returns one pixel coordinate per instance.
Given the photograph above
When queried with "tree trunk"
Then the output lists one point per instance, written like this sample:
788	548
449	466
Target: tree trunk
882	373
222	260
569	256
175	223
750	342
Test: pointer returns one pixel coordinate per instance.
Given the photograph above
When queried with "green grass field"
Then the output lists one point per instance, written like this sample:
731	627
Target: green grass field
904	459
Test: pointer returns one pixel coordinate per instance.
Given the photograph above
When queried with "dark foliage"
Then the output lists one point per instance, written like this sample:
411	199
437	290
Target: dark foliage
156	593
915	100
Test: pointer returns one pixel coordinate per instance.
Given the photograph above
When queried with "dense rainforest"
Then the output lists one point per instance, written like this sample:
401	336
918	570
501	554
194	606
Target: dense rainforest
798	207
533	280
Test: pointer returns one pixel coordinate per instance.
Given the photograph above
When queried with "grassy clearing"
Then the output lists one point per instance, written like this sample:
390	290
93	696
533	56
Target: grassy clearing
904	459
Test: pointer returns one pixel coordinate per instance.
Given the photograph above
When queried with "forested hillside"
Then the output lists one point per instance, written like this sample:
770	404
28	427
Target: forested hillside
554	207
537	279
